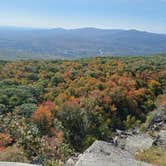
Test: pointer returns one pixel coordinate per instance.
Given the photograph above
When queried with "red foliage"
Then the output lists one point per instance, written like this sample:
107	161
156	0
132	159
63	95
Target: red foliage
5	140
43	116
73	101
48	105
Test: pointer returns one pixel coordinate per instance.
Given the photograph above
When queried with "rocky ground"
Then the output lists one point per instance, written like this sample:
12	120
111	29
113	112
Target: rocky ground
106	154
122	150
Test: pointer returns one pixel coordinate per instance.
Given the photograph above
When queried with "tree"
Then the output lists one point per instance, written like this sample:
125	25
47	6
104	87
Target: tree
43	116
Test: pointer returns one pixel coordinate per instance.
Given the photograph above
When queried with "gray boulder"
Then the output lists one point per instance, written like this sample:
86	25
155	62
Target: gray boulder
158	119
161	138
138	143
70	162
106	154
159	115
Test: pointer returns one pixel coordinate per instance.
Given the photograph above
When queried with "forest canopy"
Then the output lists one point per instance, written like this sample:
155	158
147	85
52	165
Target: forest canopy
49	109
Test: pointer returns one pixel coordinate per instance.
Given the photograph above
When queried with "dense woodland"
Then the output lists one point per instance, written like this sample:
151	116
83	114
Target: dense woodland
52	109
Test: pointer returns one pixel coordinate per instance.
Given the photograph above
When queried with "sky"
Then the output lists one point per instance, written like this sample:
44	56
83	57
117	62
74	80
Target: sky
146	15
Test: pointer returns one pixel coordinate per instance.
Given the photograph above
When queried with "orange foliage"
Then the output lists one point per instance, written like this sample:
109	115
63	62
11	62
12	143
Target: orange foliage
134	94
73	101
127	82
4	141
43	116
48	105
120	65
111	83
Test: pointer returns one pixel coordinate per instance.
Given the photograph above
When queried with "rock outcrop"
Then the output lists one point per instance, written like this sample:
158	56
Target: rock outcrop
138	143
106	154
158	120
161	139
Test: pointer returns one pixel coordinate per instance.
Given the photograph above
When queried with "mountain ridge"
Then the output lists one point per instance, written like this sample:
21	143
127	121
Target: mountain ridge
29	43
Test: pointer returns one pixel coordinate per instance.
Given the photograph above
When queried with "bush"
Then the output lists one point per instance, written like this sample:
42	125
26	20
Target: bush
13	154
131	122
88	141
2	109
83	126
58	78
72	120
43	117
26	110
30	140
154	155
5	139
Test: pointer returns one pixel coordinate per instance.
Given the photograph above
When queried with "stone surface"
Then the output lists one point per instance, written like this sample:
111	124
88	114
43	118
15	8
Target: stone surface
159	115
158	120
106	154
73	159
70	162
15	164
138	143
161	138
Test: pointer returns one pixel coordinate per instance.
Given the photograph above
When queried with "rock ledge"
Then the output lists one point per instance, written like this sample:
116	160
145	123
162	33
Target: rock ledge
106	154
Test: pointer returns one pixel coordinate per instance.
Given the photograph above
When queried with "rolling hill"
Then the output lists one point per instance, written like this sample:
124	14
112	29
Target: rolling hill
29	43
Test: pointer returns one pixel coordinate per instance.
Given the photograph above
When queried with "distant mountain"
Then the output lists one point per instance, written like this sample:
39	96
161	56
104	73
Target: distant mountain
29	43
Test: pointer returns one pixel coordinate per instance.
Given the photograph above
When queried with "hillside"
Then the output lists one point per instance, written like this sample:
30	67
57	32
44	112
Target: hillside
24	43
50	110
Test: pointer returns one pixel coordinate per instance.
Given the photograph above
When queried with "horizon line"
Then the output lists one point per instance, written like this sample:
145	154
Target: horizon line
77	28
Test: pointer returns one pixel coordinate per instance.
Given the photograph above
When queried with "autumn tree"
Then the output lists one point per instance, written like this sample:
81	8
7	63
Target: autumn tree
43	116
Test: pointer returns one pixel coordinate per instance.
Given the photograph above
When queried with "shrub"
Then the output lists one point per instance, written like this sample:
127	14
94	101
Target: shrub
154	155
43	117
131	122
72	120
13	154
58	78
5	140
161	100
88	141
26	110
30	140
2	109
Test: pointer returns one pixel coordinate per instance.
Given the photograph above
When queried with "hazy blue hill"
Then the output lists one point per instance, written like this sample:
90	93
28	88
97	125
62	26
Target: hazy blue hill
61	43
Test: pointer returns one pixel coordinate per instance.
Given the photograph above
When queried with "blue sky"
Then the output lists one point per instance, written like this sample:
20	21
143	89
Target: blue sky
149	15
